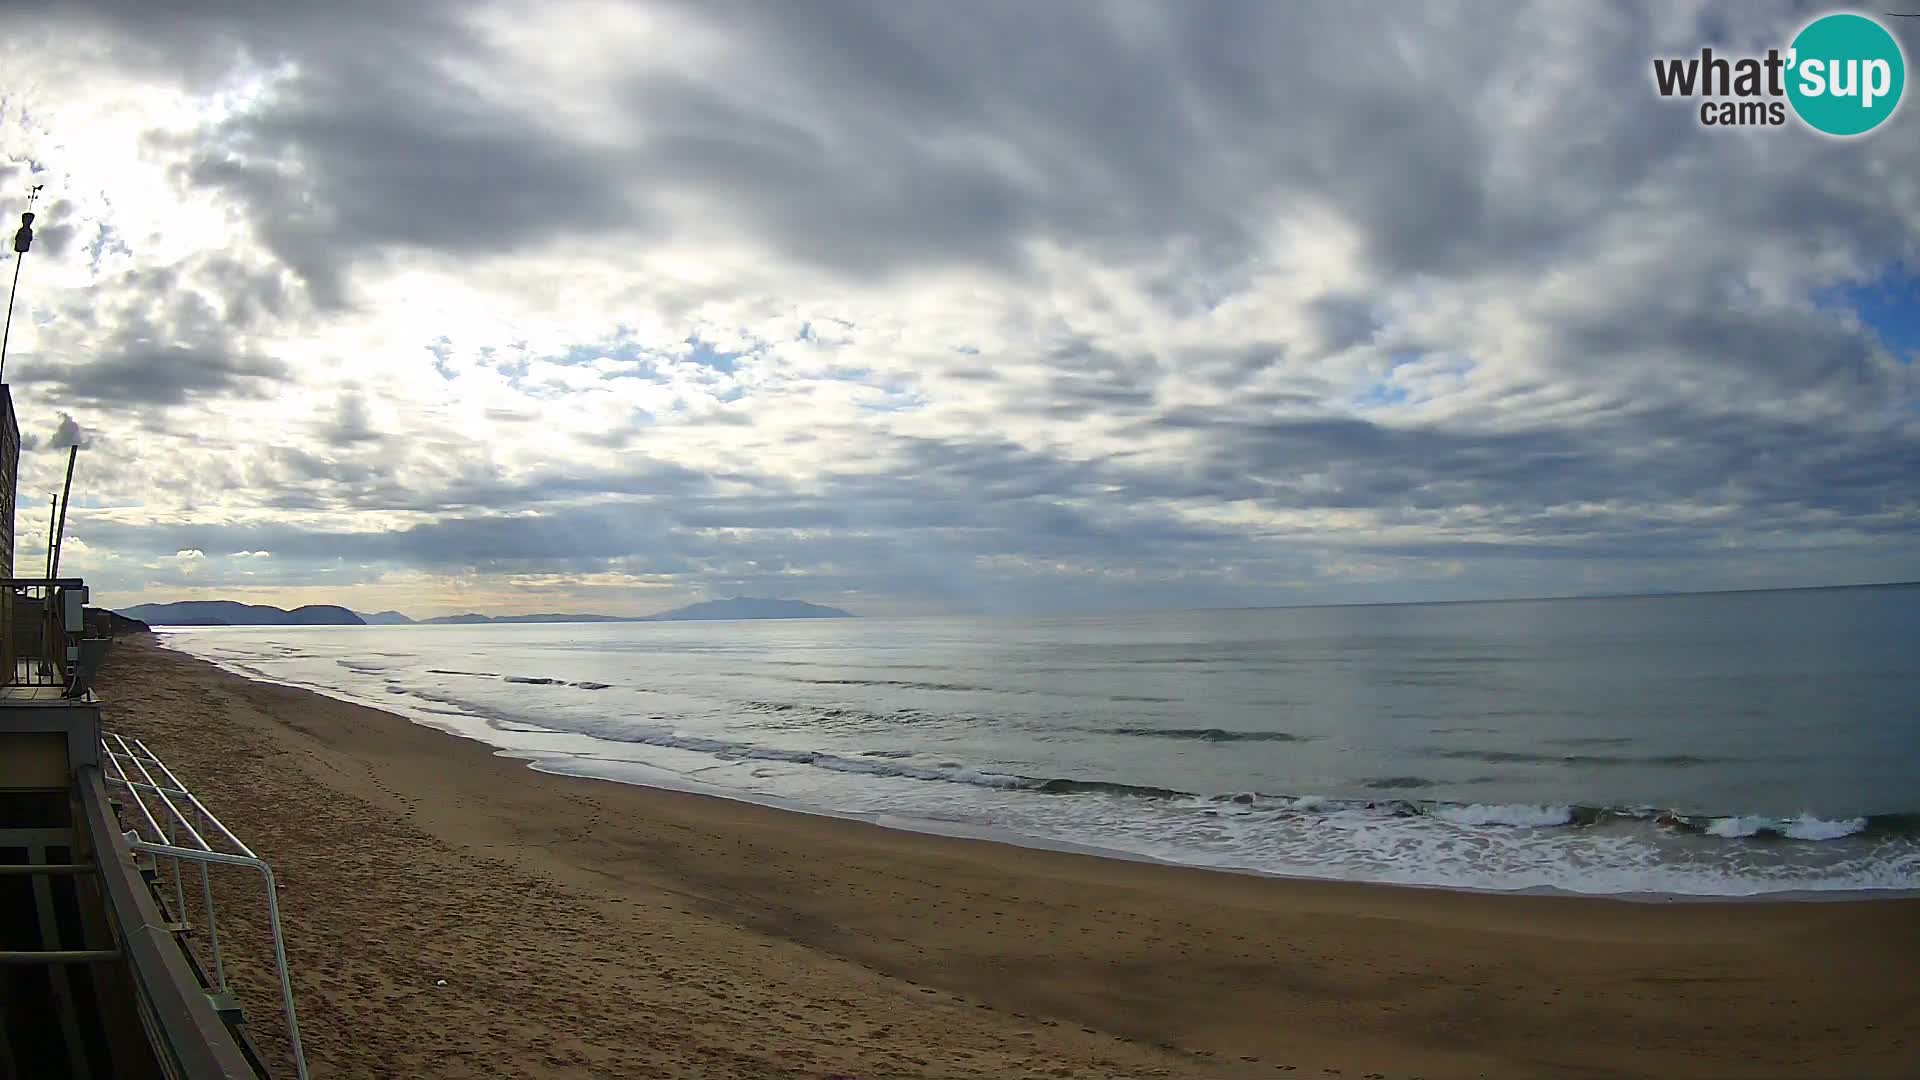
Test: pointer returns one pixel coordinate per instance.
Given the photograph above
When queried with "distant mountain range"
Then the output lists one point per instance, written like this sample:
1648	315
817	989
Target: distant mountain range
738	607
748	607
231	613
470	617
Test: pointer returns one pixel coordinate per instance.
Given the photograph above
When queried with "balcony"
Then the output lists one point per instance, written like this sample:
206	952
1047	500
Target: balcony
48	653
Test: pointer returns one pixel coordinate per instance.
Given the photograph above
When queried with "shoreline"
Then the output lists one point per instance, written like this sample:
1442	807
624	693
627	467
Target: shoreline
668	780
988	835
595	928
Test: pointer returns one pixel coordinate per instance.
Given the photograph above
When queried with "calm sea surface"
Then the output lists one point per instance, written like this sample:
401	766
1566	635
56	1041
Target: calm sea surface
1730	744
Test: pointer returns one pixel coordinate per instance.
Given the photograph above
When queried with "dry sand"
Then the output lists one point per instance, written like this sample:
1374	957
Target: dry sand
593	929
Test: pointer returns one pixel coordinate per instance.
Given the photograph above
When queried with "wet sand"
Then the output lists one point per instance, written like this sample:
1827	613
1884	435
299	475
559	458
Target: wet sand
593	929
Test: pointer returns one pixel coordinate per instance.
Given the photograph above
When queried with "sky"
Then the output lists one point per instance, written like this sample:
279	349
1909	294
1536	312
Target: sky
930	307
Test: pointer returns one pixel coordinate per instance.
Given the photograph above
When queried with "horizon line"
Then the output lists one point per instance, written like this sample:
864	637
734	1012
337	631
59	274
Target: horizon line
1910	583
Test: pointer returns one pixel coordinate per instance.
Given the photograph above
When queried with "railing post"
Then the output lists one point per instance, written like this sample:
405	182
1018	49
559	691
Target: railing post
213	929
273	927
57	642
280	959
7	644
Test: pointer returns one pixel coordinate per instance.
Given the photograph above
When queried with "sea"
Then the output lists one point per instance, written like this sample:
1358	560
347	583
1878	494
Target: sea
1710	745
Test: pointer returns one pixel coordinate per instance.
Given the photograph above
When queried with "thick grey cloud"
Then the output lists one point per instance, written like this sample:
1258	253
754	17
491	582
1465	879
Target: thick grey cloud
68	434
138	369
871	138
319	180
161	337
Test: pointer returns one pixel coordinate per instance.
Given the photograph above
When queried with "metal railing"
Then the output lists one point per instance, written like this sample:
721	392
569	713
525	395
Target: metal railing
42	634
175	825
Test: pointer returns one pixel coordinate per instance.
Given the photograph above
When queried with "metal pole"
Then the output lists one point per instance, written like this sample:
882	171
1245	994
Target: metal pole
52	511
60	532
46	613
280	961
213	928
22	240
8	333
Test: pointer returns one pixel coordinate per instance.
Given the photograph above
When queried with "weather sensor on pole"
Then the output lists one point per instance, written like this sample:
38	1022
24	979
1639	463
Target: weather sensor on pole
22	240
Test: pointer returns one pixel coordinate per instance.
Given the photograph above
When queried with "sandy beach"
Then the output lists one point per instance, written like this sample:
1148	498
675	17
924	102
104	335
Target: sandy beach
593	929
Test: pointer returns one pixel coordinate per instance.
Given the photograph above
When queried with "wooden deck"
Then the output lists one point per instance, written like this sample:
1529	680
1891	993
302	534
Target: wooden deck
36	695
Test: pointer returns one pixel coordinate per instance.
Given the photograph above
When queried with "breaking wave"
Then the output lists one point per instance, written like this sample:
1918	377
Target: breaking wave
524	680
895	763
1211	734
1521	757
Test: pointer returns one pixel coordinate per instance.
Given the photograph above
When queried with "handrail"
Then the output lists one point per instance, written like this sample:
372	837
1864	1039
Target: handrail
177	1015
51	869
58	956
127	752
273	925
181	789
165	818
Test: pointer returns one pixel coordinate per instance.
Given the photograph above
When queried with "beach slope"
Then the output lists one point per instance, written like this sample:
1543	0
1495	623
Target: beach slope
592	929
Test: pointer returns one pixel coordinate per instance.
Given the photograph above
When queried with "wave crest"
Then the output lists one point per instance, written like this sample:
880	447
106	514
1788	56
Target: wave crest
1211	734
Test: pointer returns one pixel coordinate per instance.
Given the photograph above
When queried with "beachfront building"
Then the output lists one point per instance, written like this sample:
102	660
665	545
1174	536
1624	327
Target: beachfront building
99	975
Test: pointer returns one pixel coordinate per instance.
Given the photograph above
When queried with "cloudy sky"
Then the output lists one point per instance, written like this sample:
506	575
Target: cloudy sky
947	307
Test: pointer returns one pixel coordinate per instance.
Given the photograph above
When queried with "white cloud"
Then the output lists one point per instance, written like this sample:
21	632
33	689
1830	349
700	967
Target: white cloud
1239	305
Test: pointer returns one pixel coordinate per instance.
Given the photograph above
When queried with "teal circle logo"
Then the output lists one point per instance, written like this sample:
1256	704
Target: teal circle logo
1846	74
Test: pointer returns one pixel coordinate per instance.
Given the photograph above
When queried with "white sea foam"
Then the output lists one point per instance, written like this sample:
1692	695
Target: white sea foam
1733	827
1515	815
1804	827
1807	827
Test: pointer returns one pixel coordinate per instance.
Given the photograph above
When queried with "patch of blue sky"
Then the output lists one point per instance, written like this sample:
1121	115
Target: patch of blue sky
1381	395
1388	391
621	347
1887	305
510	361
708	355
442	350
612	349
106	242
